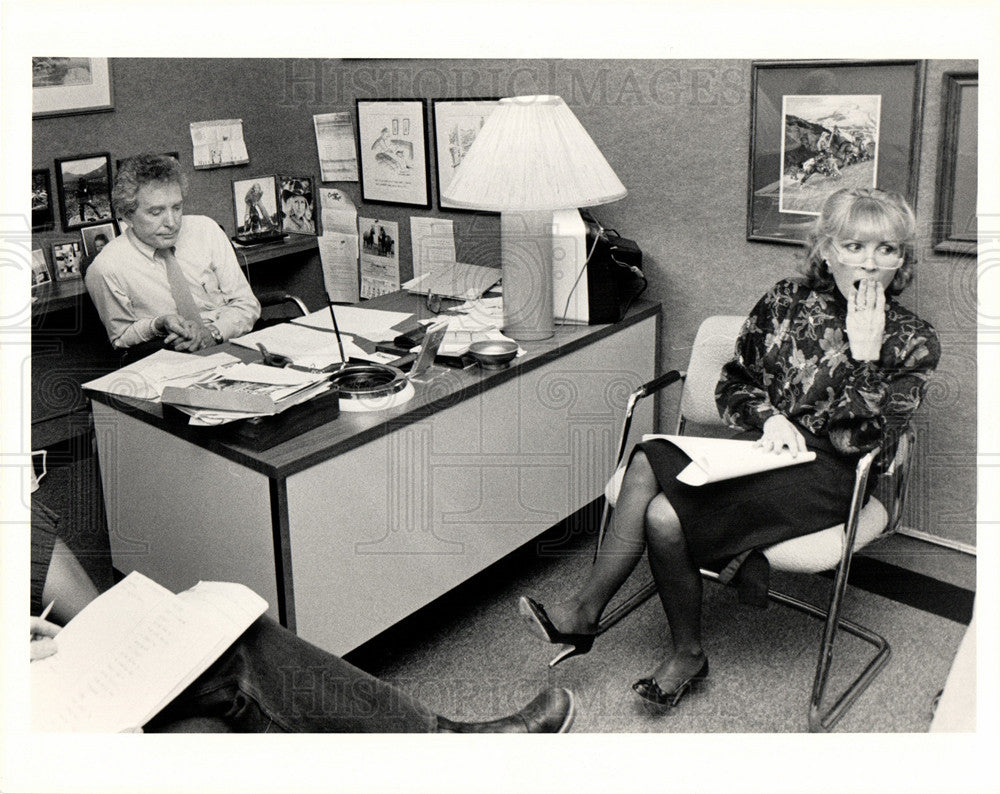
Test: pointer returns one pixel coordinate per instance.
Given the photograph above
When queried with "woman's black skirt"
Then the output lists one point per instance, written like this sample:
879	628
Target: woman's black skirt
724	519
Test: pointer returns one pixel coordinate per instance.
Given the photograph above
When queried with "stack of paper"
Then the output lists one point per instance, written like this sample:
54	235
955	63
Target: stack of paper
245	390
133	650
147	377
454	280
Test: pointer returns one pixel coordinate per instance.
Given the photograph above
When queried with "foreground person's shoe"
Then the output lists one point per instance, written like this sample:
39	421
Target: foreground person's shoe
648	689
551	712
541	626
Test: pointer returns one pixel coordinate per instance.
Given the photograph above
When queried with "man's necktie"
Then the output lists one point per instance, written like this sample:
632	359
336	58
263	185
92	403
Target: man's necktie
179	288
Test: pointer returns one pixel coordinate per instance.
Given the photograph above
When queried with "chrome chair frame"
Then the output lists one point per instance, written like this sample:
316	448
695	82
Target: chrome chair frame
819	719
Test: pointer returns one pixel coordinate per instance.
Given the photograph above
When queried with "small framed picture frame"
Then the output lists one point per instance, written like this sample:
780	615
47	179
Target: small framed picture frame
298	204
84	185
819	126
956	228
392	151
67	86
67	260
42	212
255	207
457	122
40	274
96	237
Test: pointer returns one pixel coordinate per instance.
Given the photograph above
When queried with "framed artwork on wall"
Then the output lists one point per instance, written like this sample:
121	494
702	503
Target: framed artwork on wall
84	185
955	222
42	214
67	86
819	126
392	151
298	204
456	124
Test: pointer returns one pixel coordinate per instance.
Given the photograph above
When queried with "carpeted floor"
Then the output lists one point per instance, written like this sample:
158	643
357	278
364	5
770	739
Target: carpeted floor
468	656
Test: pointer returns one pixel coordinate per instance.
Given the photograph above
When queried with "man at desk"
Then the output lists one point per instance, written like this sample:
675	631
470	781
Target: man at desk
169	276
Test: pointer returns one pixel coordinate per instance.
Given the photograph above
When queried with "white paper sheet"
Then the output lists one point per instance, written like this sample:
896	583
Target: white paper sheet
146	378
433	243
218	143
374	324
338	159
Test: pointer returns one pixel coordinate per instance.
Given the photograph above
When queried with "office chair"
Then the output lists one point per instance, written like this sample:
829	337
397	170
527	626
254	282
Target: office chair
831	548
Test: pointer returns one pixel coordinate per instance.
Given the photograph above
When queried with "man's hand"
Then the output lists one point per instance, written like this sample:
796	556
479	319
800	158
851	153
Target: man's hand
779	434
42	644
195	338
866	320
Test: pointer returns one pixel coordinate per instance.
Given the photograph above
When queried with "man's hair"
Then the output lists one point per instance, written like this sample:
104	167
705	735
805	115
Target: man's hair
866	212
143	169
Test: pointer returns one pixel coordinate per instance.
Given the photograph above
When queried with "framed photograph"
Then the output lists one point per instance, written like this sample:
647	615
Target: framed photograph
255	205
42	214
298	204
66	86
457	122
96	237
67	261
39	269
392	151
84	185
819	126
955	224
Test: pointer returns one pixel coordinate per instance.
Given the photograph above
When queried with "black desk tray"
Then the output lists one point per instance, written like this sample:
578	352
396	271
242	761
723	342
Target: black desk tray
264	432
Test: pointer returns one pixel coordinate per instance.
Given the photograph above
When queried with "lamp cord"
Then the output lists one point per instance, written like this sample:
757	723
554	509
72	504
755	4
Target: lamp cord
635	271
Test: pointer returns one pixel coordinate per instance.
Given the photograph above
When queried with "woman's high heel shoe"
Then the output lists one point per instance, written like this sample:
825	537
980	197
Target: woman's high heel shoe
648	689
536	617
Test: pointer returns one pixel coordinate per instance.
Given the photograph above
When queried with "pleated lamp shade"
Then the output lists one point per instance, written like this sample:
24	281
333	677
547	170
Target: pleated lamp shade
533	154
531	157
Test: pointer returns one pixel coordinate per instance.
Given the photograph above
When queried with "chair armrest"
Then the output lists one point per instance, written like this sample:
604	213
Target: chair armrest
277	298
658	383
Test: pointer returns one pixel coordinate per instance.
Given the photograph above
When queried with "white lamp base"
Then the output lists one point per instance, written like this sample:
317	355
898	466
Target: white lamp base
526	258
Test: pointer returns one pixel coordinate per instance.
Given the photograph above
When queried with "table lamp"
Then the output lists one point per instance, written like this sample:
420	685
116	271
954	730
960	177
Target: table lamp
531	157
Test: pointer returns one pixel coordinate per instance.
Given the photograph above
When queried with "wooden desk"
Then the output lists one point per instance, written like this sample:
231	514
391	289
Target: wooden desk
352	526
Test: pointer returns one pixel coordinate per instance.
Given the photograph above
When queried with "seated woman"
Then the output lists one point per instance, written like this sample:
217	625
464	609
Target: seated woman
830	363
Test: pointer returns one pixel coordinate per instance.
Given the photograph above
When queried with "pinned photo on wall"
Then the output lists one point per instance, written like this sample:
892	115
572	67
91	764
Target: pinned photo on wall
218	144
298	204
379	256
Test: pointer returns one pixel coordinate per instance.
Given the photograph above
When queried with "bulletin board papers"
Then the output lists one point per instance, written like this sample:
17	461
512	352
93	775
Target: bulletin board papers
338	159
433	241
338	246
218	143
379	257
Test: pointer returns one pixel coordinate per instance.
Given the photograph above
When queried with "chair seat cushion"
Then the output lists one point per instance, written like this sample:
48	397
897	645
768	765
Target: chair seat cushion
821	550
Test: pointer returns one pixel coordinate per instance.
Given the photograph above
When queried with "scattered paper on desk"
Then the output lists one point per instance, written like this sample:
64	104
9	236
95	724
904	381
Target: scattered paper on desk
374	324
454	280
305	346
146	378
433	243
218	143
379	256
338	159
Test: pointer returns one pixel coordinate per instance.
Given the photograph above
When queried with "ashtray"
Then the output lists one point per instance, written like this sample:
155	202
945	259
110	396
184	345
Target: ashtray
493	354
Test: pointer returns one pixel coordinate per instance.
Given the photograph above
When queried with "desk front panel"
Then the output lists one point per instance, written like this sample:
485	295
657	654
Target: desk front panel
385	528
179	513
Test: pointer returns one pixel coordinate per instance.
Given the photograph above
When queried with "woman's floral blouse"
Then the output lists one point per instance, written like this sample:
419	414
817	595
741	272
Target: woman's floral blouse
792	357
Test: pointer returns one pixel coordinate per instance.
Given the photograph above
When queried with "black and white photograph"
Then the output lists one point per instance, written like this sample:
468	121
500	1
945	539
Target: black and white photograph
96	237
298	204
63	86
699	477
84	185
42	212
67	261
